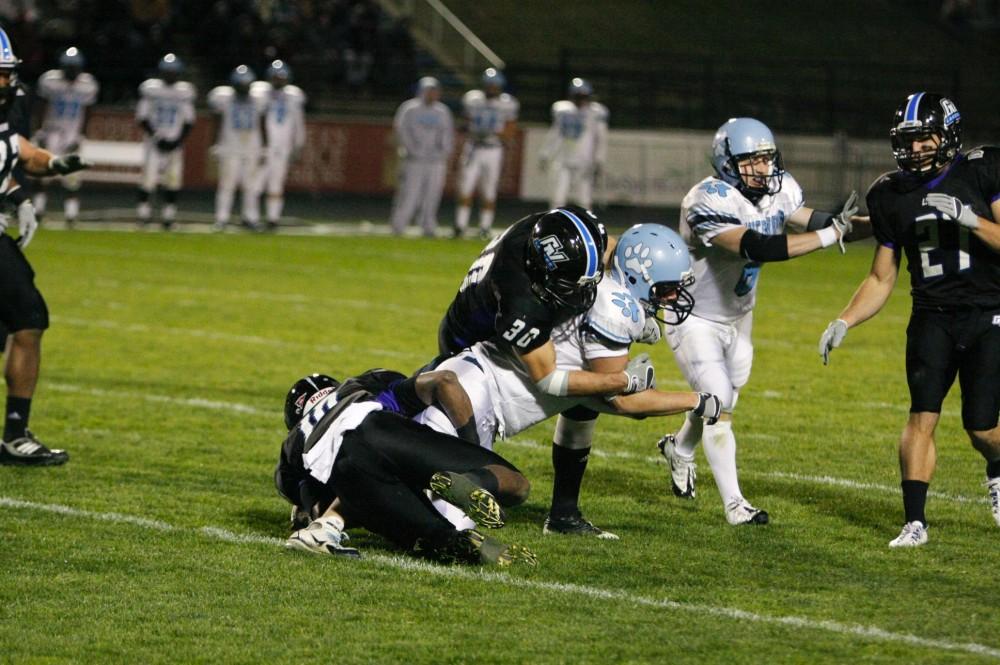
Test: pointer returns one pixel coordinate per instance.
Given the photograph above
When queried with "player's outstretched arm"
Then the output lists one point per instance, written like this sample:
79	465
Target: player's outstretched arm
867	301
954	209
40	162
541	365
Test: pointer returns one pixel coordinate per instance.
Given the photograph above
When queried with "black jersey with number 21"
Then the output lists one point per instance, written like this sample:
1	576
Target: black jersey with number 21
949	266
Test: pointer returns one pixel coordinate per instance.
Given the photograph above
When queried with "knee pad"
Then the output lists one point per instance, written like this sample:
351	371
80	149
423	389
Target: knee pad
574	434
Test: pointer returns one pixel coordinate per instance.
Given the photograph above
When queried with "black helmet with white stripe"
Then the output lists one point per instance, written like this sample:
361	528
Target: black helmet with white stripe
921	118
305	394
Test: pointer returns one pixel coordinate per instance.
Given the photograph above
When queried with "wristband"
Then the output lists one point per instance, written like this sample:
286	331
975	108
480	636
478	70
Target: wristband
827	236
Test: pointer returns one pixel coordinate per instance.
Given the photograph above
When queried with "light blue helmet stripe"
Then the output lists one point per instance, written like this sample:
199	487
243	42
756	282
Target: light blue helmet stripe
913	106
5	51
588	240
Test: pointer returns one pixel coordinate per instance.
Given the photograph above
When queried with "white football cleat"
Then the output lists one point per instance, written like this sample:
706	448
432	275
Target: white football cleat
993	488
322	536
914	534
683	470
739	511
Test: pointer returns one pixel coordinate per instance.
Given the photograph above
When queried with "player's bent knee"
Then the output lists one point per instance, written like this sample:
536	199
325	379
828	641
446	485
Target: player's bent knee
574	434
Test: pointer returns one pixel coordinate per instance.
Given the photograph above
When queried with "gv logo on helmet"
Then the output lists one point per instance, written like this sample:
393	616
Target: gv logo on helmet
553	249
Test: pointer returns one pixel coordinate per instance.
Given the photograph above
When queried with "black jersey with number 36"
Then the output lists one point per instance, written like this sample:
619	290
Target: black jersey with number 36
496	298
949	266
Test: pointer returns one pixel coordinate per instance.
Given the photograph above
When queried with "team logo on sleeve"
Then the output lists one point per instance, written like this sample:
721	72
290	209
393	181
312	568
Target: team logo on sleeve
553	249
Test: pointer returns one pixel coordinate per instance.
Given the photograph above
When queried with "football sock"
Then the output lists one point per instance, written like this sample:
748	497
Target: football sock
569	465
720	450
169	212
223	205
689	435
274	206
486	219
462	217
71	207
41	198
993	469
18	410
914	500
485	479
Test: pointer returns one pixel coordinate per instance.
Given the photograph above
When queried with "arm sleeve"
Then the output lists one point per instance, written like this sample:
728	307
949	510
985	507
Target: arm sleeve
405	393
706	223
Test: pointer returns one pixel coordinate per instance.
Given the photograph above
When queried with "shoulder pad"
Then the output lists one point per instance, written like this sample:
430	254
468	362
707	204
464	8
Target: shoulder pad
882	181
220	94
714	191
989	151
87	82
186	91
473	98
295	92
615	314
260	86
794	188
509	101
51	75
600	110
150	87
563	106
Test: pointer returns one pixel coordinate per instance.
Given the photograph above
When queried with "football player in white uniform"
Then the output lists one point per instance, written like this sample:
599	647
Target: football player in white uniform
425	133
735	221
166	114
575	146
286	135
489	118
651	269
238	145
68	92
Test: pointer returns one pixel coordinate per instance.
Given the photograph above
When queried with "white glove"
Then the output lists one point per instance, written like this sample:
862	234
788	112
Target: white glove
831	338
709	407
842	221
27	223
953	208
640	374
651	331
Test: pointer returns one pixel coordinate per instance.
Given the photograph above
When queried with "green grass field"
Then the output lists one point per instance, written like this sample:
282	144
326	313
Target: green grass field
164	374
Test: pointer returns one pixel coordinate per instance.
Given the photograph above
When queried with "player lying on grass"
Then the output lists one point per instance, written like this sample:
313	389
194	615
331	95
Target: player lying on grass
353	442
645	287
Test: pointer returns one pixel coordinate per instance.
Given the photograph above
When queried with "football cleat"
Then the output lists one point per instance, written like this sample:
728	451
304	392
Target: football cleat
575	525
29	451
471	546
914	534
739	511
993	488
322	536
481	506
683	470
300	519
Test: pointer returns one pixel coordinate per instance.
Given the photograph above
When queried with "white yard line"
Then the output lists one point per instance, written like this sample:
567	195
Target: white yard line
579	590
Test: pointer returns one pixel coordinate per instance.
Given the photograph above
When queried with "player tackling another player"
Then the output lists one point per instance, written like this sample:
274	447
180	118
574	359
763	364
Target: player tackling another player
940	210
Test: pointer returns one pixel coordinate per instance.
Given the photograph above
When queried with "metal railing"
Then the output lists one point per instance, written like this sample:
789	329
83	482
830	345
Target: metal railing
443	35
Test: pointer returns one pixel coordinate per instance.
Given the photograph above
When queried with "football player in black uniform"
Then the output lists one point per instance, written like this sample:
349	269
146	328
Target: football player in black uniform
353	456
540	272
23	313
941	209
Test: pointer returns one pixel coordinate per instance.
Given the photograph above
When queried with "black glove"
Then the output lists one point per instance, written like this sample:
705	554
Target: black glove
68	164
165	145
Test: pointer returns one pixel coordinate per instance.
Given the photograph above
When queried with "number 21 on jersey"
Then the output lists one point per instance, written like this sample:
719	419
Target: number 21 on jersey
932	255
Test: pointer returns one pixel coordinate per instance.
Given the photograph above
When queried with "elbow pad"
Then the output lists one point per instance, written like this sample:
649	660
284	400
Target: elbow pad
763	248
555	383
819	220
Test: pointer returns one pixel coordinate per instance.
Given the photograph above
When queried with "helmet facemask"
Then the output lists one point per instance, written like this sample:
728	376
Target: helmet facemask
758	174
924	161
670	298
575	295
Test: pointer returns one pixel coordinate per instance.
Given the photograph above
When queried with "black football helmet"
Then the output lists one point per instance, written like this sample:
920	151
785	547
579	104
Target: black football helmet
922	115
565	257
304	394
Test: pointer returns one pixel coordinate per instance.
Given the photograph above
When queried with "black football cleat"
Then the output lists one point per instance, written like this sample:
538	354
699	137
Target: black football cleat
575	525
29	451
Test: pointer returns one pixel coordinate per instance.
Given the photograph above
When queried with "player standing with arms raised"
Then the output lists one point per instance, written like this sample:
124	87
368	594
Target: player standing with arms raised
425	132
24	316
67	92
285	128
735	221
166	114
238	145
576	145
940	209
489	117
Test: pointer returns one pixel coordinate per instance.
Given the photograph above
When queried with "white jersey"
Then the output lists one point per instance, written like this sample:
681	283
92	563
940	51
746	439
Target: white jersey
725	286
425	131
488	116
285	119
166	107
241	119
578	135
67	101
505	397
